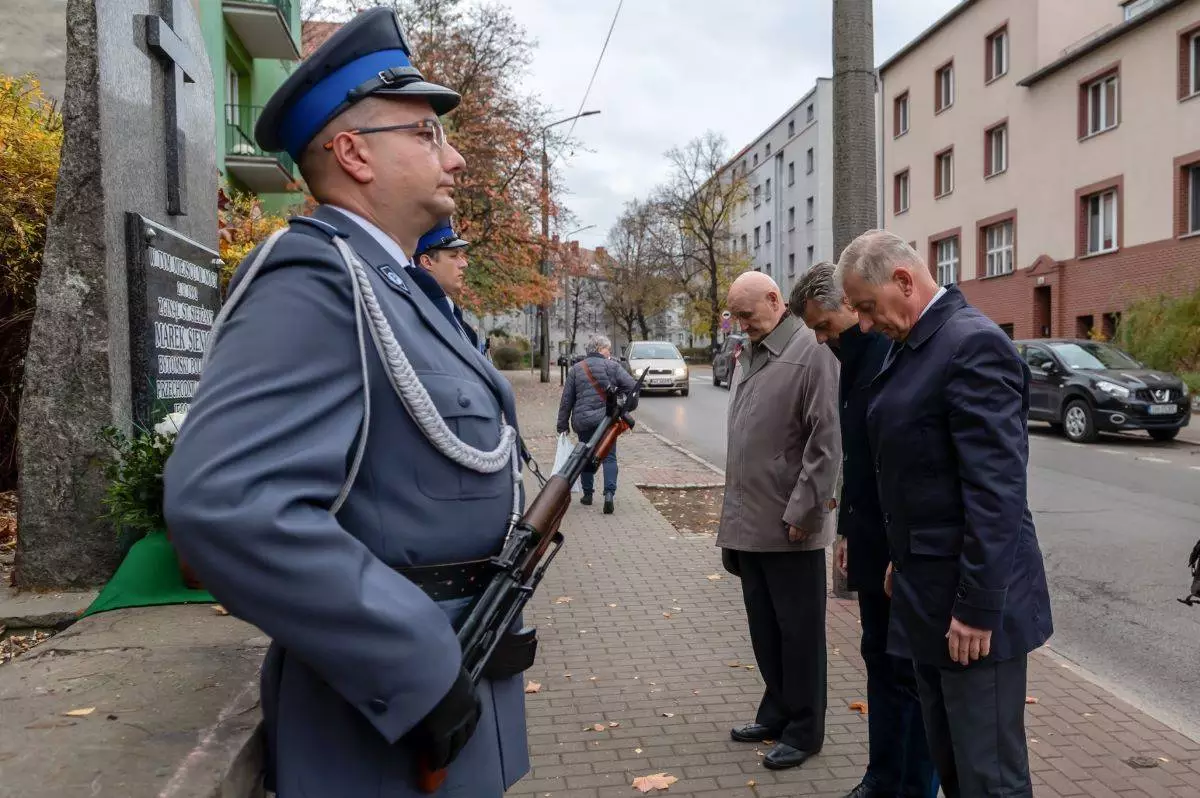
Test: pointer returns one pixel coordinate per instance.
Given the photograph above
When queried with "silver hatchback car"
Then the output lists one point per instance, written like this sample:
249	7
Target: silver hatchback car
665	367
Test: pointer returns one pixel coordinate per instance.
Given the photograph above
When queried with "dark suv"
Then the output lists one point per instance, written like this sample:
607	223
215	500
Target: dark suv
726	356
1087	387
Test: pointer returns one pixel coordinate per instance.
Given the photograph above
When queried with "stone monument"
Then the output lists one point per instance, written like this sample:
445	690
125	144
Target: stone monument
128	287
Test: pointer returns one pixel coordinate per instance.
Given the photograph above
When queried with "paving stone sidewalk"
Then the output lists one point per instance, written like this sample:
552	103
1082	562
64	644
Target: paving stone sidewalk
637	638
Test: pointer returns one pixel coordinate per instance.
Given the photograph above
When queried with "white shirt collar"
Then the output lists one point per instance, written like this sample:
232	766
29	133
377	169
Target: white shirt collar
383	239
940	293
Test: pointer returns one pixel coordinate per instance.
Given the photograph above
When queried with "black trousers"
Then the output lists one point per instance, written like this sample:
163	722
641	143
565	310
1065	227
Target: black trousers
785	604
975	721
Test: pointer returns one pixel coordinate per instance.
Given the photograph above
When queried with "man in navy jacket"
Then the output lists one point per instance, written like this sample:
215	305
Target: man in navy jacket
441	263
947	422
898	762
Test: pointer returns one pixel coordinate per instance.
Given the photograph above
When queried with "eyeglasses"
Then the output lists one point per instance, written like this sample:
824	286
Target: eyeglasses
427	125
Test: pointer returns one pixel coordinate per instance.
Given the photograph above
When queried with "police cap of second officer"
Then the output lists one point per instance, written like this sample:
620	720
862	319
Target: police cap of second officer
440	237
366	57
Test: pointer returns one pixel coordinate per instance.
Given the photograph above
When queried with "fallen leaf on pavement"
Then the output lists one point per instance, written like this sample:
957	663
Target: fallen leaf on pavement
566	676
80	713
594	727
715	577
1030	699
751	783
734	664
860	707
533	687
668	714
592	678
666	615
637	750
748	667
655	781
612	606
563	600
612	724
677	609
219	610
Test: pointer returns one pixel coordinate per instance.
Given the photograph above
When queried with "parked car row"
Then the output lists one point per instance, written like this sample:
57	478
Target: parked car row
726	357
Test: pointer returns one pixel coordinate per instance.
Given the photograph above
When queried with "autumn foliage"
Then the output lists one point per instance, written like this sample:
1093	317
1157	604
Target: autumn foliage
30	139
242	225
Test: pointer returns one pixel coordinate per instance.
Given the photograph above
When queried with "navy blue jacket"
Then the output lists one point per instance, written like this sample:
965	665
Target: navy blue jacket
947	423
859	518
429	285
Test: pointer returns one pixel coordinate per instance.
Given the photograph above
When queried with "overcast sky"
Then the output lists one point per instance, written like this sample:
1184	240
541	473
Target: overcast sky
675	68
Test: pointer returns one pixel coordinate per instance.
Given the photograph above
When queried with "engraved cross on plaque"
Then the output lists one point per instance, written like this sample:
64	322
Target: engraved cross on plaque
178	61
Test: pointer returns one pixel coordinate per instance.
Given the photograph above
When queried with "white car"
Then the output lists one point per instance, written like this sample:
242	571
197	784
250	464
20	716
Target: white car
665	368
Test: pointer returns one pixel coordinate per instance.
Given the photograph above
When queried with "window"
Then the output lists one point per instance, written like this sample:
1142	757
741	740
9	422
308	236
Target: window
1189	63
757	243
756	159
900	192
809	255
792	218
810	112
232	97
768	149
900	115
1100	215
791	264
995	146
791	173
1099	105
744	247
809	210
768	189
791	128
943	176
1193	193
757	196
1037	358
943	88
811	160
997	54
1008	329
998	248
768	236
947	260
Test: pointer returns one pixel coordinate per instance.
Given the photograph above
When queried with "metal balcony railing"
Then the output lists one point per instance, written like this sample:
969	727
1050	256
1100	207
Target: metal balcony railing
239	136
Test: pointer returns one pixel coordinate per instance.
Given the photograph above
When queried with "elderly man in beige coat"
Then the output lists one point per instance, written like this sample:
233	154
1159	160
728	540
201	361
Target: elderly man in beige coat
784	455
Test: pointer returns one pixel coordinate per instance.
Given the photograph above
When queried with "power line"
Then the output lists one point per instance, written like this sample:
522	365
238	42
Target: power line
592	80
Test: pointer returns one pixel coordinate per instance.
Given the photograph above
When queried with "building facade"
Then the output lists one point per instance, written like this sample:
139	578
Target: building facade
1045	156
253	46
786	222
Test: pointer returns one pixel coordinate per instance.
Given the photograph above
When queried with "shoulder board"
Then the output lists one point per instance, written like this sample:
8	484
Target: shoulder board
317	224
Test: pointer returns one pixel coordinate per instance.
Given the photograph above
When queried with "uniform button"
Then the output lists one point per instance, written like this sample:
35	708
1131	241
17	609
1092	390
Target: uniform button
887	519
378	706
845	405
463	400
962	593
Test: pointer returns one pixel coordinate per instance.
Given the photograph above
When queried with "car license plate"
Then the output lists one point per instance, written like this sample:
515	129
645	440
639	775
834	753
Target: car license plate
1163	410
661	381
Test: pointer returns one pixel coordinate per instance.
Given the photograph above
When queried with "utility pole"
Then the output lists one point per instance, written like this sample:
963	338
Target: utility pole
544	307
854	179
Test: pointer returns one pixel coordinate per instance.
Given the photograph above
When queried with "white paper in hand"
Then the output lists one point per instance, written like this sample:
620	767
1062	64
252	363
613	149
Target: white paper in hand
565	447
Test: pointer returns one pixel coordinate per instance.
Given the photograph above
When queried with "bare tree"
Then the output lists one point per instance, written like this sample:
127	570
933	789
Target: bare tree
637	287
698	202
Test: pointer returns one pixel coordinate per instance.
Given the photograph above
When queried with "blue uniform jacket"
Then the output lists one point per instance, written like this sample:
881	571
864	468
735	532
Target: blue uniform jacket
360	654
859	518
429	284
947	423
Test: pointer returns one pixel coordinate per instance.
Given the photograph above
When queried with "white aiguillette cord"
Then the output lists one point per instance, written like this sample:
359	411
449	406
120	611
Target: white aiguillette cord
404	380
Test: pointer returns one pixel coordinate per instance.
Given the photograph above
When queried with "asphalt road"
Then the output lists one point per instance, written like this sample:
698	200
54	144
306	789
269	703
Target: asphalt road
1116	521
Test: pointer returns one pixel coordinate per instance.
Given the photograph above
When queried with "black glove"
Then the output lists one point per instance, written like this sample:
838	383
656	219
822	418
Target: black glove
729	559
442	734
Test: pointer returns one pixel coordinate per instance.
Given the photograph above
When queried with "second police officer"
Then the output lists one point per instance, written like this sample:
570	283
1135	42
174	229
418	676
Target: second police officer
349	462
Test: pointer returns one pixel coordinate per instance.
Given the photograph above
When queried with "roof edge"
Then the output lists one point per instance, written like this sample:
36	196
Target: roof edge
945	20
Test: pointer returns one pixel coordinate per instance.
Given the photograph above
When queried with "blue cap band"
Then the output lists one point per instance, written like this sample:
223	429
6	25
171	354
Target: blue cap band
311	111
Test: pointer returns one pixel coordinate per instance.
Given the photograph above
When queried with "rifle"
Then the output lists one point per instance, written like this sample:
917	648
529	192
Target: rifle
531	544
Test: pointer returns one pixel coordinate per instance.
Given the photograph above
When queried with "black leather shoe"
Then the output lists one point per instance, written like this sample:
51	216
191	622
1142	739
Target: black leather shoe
783	756
752	733
608	504
864	790
586	499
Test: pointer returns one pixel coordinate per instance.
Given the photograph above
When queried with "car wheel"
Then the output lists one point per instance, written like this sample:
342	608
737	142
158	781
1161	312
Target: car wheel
685	391
1164	434
1077	422
716	379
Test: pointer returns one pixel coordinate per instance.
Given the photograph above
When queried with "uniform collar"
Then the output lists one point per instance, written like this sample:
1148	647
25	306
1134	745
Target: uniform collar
383	239
777	339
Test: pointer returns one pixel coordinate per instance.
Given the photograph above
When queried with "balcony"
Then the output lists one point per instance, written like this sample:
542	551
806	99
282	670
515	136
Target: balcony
264	26
261	172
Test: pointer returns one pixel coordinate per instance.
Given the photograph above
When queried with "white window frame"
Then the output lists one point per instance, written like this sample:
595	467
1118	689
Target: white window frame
1101	210
945	77
1098	88
945	169
903	113
233	113
1193	214
998	248
998	162
904	191
999	38
947	260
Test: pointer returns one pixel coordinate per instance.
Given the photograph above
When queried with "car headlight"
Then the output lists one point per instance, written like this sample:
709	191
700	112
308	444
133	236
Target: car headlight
637	372
1185	390
681	371
1112	389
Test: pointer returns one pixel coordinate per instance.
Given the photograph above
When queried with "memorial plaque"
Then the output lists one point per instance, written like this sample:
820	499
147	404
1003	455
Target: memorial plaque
174	296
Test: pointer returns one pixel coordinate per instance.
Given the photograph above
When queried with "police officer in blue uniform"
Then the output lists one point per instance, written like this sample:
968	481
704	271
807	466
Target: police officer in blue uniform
350	460
441	260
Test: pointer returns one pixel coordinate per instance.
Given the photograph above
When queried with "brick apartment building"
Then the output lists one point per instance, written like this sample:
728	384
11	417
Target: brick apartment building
1045	156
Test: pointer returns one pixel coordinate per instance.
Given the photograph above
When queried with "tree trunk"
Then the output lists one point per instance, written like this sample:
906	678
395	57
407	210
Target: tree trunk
641	320
714	319
854	180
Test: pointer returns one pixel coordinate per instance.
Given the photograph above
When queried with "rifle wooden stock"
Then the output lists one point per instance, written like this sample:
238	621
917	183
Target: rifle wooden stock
546	512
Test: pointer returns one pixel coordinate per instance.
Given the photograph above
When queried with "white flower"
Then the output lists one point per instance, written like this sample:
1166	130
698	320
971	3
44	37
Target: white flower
171	425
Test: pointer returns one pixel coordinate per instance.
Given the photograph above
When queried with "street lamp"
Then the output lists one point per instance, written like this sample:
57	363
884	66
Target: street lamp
544	308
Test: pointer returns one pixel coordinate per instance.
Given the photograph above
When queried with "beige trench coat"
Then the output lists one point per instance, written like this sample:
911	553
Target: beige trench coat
784	447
